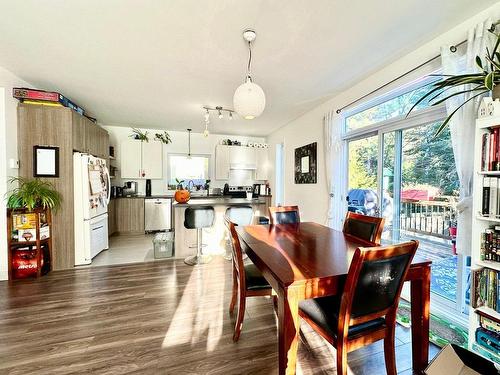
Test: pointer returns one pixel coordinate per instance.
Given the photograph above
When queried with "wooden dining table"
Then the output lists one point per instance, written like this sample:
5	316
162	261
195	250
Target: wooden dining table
309	260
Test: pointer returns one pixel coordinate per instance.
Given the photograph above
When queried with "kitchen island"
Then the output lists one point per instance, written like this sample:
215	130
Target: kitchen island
215	237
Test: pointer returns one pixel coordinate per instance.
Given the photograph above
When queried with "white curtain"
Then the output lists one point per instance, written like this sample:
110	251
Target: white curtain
462	126
335	169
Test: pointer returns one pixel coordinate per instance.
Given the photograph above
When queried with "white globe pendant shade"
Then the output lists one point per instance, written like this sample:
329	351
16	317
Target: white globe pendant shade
249	100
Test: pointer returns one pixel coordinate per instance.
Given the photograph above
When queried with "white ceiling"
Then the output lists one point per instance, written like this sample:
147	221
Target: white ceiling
155	63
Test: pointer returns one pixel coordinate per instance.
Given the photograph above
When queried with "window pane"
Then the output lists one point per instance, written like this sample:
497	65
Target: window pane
362	192
390	109
186	168
429	192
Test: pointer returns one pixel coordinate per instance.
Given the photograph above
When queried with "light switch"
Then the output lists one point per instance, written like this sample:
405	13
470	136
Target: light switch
13	163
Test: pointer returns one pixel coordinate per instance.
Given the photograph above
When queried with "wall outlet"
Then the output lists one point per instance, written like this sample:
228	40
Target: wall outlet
13	164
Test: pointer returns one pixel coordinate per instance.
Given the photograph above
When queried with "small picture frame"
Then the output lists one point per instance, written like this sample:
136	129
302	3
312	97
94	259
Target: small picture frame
45	161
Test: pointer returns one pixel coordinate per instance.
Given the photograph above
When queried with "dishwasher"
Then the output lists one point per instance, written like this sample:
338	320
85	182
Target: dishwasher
157	214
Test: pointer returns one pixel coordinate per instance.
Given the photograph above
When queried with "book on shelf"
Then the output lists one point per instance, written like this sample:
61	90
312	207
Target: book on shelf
485	289
489	324
490	150
490	244
490	200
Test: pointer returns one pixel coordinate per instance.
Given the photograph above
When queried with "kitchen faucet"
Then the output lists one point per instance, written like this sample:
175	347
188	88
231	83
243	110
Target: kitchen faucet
192	185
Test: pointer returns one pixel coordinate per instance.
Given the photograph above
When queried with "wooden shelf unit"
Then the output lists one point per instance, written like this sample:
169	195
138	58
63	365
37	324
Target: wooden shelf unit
38	244
479	224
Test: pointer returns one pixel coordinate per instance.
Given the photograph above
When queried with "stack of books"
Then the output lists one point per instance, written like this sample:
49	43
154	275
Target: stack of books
490	244
40	97
490	150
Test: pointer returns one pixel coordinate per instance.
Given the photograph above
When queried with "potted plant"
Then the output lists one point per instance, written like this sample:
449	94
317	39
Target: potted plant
139	135
181	195
487	80
29	222
31	194
163	137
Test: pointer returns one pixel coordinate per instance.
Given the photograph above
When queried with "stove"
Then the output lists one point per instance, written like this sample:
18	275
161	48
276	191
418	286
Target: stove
239	191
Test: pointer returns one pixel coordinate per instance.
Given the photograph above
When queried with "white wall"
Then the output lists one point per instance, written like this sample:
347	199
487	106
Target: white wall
179	145
8	150
313	199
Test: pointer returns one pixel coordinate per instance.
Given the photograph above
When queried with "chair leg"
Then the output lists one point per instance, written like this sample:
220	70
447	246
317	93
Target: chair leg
234	293
341	360
241	315
389	350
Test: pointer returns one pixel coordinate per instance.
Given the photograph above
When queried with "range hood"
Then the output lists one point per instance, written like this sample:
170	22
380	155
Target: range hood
243	166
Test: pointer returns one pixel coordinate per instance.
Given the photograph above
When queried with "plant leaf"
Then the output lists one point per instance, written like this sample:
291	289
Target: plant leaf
488	80
443	125
458	93
479	62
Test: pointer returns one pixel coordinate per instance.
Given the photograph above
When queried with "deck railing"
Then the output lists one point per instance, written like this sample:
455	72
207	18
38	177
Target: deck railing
428	217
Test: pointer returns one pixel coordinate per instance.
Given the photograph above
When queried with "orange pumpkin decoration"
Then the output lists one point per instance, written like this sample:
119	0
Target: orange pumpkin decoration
182	196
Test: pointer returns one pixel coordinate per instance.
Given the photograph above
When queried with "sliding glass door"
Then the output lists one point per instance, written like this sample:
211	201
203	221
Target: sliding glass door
399	170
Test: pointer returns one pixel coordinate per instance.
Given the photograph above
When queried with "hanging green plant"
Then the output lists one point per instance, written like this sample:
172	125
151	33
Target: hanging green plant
163	137
33	193
478	83
139	135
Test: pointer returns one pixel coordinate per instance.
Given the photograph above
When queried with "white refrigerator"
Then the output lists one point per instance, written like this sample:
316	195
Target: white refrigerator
92	192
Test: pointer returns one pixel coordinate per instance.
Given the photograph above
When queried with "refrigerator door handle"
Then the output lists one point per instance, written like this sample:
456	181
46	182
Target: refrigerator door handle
109	186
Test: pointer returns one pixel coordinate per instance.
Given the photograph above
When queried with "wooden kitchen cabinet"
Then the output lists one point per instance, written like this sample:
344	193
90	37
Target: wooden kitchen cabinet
140	160
129	215
70	131
111	217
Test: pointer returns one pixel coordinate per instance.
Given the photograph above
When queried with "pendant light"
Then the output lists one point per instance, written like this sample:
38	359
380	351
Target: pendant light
189	143
249	99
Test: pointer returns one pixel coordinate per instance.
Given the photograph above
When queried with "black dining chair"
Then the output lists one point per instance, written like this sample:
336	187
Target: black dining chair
365	311
368	228
284	215
247	280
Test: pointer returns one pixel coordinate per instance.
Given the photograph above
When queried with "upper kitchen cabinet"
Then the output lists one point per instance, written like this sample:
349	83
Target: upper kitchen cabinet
89	137
241	157
141	159
221	162
263	164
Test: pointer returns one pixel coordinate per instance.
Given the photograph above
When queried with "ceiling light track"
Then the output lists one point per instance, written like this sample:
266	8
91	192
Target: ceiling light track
219	110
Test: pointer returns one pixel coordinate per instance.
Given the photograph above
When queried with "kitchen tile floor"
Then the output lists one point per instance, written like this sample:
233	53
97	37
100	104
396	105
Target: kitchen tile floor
124	249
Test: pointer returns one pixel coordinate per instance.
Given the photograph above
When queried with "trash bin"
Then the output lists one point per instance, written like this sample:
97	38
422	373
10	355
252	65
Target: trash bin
163	245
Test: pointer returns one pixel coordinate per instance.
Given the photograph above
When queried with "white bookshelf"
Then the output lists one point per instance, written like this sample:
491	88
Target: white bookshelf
479	224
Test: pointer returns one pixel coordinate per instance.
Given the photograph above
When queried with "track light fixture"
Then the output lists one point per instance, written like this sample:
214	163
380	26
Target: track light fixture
220	114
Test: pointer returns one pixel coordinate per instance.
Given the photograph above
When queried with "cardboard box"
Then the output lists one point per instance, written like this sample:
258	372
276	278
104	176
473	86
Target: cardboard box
454	360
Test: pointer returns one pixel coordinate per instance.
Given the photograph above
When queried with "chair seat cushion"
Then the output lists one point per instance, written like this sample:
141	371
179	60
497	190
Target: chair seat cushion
324	312
254	278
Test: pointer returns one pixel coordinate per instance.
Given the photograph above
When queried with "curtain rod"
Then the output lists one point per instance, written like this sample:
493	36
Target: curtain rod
453	49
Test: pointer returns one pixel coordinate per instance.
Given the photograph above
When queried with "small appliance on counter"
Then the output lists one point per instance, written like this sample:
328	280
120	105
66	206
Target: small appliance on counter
130	189
119	192
114	191
148	187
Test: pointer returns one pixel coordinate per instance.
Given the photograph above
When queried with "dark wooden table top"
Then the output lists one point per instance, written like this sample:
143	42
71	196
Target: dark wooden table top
305	251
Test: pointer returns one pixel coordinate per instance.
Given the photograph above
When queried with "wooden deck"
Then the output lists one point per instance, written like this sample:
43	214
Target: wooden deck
154	318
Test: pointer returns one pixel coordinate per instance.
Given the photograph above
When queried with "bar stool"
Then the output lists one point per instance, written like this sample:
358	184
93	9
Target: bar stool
198	218
238	215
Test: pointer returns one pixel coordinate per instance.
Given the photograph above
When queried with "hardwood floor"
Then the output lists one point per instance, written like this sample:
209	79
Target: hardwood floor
159	317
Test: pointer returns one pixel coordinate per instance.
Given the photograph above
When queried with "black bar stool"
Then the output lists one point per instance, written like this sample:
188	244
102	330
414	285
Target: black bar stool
198	218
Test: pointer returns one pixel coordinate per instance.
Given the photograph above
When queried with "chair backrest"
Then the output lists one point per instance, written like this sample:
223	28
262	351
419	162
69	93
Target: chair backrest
237	260
368	228
374	283
284	215
199	217
240	215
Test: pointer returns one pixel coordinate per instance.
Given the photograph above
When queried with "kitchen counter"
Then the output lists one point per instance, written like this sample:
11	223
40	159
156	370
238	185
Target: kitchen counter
220	201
